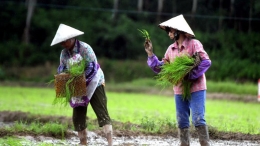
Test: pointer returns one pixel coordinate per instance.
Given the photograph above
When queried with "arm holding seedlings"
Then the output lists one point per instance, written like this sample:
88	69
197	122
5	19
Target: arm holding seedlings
62	67
92	65
201	66
148	46
147	43
199	70
153	62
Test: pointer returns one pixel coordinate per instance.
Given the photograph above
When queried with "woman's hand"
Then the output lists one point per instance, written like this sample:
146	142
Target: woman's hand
165	60
148	47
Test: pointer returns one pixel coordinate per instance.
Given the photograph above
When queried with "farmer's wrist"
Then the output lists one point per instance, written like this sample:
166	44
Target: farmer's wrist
150	54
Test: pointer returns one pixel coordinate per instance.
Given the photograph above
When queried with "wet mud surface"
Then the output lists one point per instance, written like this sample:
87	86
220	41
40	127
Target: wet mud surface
97	140
120	137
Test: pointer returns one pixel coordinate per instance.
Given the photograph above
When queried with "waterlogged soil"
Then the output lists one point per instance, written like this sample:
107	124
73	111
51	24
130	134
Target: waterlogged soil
120	137
97	140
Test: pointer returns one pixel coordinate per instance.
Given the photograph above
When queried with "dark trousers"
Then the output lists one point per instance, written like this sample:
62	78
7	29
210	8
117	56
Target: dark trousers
99	104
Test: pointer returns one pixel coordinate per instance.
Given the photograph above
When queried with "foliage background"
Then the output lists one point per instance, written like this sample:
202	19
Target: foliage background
229	31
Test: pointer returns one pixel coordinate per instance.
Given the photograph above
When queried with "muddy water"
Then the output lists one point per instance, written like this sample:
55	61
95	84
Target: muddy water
97	140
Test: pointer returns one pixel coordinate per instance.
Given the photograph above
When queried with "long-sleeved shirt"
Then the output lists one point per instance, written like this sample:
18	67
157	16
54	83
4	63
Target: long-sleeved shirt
93	73
189	46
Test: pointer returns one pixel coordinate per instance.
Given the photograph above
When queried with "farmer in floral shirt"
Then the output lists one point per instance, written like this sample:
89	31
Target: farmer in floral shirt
75	51
184	43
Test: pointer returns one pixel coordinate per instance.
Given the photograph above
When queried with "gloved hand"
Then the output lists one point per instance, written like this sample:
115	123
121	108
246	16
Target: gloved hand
148	46
197	61
197	58
188	78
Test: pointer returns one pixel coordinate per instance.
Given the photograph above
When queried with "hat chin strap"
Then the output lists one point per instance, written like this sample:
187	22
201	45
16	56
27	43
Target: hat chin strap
176	35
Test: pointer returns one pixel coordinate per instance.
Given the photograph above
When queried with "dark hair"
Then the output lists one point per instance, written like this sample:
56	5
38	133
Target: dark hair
167	29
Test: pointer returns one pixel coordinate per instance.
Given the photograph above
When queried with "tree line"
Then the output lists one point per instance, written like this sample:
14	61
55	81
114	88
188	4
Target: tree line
228	30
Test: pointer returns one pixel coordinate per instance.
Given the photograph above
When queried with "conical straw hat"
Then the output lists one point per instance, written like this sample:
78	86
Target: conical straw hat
65	32
178	23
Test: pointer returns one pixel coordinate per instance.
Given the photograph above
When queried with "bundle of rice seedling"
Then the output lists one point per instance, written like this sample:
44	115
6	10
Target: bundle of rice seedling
174	73
70	84
75	85
146	35
60	81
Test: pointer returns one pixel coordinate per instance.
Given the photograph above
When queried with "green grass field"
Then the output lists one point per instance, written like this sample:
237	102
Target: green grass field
132	107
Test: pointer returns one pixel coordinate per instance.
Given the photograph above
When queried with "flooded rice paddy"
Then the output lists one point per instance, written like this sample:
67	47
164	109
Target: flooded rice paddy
120	138
97	140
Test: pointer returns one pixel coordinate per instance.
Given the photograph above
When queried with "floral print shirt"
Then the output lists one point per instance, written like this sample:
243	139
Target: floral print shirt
94	74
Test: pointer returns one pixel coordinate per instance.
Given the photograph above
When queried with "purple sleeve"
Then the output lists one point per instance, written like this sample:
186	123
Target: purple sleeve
61	69
90	71
200	69
154	63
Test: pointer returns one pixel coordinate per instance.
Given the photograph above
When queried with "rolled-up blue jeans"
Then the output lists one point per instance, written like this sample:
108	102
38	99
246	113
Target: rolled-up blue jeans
196	105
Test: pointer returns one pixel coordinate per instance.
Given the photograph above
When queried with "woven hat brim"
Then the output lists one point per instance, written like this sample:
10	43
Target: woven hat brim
178	23
64	33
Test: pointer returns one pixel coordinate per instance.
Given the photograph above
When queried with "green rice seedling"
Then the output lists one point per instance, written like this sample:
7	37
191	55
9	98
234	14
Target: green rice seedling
175	72
51	128
186	85
144	33
10	141
36	127
75	71
55	129
148	124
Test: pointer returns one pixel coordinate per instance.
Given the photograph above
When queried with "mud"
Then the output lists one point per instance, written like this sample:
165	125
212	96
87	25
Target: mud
120	138
97	140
